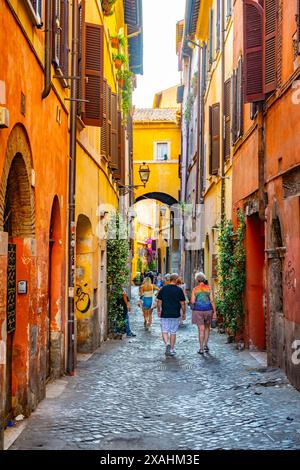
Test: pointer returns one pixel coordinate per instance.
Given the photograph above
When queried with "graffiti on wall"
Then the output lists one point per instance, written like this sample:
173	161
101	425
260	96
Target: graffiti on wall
290	277
82	301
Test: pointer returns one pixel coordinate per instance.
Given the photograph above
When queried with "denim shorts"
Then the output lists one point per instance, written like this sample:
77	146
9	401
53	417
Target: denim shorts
170	325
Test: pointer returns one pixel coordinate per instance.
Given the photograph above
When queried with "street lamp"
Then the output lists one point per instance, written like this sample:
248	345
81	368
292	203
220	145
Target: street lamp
144	172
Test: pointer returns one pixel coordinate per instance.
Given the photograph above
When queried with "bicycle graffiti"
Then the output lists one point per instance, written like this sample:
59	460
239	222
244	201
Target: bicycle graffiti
83	301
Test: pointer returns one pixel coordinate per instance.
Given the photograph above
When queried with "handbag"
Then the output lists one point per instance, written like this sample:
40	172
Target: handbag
214	322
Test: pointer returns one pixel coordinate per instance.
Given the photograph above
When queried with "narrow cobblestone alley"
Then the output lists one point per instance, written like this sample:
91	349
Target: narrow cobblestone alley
128	395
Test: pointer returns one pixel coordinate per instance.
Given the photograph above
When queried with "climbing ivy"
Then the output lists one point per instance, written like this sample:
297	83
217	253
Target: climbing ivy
117	271
188	108
231	274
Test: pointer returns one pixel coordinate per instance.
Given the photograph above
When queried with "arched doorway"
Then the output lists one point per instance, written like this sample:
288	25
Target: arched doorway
17	219
54	321
86	290
276	331
158	219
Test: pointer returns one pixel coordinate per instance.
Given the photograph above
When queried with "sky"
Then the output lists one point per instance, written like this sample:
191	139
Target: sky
160	59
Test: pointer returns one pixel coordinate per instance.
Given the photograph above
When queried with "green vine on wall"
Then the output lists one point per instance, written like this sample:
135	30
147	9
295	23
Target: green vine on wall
127	90
232	275
117	271
188	108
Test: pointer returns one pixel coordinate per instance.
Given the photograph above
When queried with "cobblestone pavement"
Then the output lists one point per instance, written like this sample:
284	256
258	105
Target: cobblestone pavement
128	395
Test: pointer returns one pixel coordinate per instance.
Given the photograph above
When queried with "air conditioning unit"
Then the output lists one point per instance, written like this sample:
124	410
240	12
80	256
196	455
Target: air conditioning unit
4	117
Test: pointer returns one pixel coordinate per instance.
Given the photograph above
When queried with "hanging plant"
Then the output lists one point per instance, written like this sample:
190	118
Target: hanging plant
120	78
118	41
127	93
107	6
117	271
119	60
232	275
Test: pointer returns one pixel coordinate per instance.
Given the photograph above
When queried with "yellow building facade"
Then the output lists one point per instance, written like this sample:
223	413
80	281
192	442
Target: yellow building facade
156	143
102	167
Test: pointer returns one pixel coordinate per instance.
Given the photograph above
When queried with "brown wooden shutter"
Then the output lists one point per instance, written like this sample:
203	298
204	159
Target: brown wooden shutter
64	43
104	133
114	130
81	59
93	75
109	126
271	12
215	138
253	52
56	33
234	108
227	117
240	101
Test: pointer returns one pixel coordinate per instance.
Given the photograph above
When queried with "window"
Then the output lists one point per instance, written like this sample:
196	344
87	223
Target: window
218	26
237	103
95	105
214	133
228	9
60	21
162	151
227	117
35	10
261	47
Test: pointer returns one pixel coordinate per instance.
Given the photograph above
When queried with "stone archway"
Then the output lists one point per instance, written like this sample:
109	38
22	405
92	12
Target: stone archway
15	187
161	197
86	290
17	220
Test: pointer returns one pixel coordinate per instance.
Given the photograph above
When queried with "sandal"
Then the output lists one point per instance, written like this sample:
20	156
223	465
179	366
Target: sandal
201	351
206	348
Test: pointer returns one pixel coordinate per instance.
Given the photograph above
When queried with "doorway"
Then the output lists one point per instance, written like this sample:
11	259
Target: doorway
53	329
255	288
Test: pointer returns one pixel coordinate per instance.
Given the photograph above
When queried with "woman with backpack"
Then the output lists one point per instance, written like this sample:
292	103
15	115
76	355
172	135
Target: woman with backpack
204	310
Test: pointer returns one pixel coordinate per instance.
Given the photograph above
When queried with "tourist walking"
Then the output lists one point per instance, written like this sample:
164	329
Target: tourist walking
203	310
181	284
147	297
170	303
124	302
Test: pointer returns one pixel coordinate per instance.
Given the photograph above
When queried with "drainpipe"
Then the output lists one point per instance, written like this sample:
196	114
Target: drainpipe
261	161
223	113
47	86
71	199
197	199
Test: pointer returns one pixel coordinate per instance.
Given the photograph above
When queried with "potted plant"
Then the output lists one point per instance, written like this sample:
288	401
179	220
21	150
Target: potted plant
107	6
119	60
120	78
115	42
118	41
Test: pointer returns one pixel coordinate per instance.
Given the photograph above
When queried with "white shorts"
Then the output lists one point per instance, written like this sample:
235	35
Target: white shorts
170	325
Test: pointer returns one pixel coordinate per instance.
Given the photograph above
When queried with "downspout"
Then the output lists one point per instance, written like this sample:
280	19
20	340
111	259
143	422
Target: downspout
261	161
71	199
197	201
47	73
223	114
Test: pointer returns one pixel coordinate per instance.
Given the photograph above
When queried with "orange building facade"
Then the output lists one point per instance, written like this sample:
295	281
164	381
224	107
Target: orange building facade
33	198
266	176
